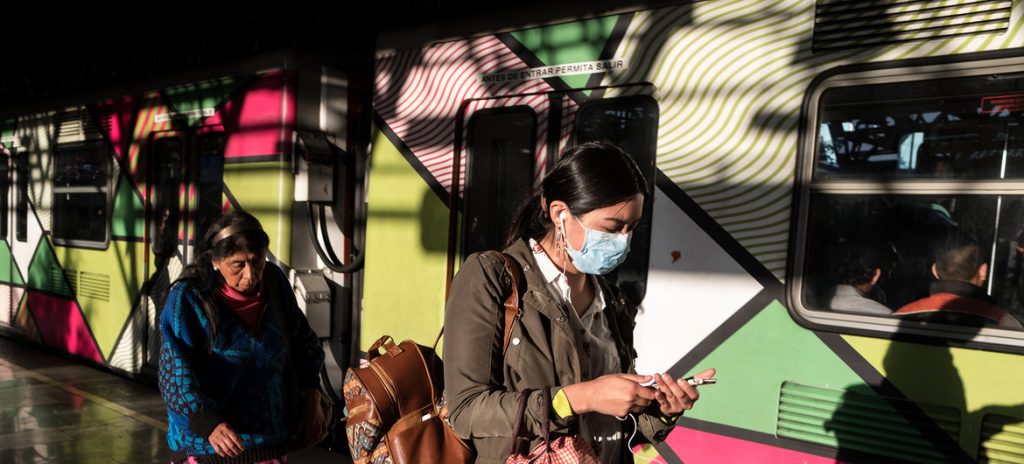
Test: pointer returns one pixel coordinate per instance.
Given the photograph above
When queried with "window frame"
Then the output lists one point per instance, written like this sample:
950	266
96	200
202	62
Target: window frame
470	131
651	146
973	65
107	189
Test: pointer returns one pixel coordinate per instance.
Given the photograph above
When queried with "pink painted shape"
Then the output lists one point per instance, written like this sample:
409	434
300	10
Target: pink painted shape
694	446
256	120
120	113
61	325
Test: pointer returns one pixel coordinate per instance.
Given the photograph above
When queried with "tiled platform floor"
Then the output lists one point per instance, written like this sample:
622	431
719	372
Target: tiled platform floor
54	410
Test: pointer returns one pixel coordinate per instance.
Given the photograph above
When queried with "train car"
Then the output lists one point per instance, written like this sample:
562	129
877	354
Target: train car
785	143
102	199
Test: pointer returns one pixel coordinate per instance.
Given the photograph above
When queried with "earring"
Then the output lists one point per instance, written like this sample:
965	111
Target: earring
216	268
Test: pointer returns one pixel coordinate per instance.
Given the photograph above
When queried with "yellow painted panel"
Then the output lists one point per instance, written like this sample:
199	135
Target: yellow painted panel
119	270
406	243
266	190
975	381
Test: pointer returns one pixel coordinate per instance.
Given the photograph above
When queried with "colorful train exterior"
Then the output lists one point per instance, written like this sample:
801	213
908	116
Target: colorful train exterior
102	200
775	137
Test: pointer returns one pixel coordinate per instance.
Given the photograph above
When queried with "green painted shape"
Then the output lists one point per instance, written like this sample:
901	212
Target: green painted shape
7	126
9	272
128	218
45	272
199	95
266	190
109	281
757	359
569	43
406	243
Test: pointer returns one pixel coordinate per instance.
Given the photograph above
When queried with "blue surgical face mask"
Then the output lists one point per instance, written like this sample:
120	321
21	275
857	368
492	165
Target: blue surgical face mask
601	252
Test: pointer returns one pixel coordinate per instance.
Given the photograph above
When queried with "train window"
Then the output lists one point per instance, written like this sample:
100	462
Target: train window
501	144
81	182
210	197
912	209
5	187
965	127
166	169
21	172
632	124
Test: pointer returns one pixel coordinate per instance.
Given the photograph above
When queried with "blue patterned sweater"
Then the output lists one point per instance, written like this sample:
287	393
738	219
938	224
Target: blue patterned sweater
236	377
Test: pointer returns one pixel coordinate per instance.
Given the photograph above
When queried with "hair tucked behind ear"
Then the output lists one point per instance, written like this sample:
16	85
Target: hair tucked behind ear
587	177
232	233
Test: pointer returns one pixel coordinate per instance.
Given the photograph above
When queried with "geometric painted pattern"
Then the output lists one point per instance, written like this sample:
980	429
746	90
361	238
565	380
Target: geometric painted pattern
65	327
9	272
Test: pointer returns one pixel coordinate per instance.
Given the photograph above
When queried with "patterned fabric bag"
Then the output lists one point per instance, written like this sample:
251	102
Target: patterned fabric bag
566	449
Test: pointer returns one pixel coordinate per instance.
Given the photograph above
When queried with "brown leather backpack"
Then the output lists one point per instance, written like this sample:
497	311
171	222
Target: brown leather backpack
394	404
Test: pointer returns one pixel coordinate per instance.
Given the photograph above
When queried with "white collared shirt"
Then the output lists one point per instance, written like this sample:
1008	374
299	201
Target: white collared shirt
598	347
598	341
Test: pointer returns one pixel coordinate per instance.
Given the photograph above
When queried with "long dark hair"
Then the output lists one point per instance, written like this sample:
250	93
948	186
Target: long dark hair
587	177
232	233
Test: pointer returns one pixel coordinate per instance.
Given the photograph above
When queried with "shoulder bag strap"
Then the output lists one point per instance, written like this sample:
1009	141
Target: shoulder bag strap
512	304
513	308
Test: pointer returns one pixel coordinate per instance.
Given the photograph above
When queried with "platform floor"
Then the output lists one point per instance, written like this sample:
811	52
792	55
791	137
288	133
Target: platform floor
54	410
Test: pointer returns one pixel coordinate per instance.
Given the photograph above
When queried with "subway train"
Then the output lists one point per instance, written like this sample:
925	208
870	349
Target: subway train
807	162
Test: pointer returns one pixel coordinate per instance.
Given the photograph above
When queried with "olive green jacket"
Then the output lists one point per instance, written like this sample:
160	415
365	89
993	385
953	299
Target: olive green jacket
483	389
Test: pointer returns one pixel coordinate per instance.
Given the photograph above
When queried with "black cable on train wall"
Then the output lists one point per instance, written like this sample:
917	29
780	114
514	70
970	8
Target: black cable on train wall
322	219
332	264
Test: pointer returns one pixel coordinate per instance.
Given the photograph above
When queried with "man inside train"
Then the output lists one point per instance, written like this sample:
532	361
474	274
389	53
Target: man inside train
865	265
957	295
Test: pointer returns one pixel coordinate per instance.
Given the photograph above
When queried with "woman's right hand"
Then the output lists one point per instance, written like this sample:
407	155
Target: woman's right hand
612	394
225	441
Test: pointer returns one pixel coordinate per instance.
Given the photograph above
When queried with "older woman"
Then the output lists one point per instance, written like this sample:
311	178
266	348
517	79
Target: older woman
226	372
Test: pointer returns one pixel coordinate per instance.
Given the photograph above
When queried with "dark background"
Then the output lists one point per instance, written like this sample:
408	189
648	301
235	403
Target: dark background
55	52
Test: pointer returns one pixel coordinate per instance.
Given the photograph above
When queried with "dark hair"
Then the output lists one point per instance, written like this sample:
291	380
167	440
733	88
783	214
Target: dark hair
587	177
232	233
862	256
958	257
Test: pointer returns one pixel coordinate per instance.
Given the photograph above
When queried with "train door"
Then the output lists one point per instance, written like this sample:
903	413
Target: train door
510	142
185	190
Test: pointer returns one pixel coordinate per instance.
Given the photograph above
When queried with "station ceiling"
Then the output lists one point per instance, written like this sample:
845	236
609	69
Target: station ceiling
52	52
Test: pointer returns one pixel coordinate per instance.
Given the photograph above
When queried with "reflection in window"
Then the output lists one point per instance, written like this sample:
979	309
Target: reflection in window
168	153
964	127
80	193
632	124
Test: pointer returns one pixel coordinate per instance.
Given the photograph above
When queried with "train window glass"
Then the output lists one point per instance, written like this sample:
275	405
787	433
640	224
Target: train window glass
81	184
166	171
632	124
501	145
210	195
912	213
5	187
873	254
965	127
21	169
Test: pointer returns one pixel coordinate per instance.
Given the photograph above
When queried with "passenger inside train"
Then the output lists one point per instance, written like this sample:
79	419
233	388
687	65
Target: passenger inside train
957	295
864	265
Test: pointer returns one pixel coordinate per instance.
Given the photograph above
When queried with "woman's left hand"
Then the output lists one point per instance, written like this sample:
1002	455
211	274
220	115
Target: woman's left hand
677	395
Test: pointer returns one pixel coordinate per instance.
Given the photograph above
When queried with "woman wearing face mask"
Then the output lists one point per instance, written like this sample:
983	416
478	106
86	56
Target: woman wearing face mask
575	334
226	373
